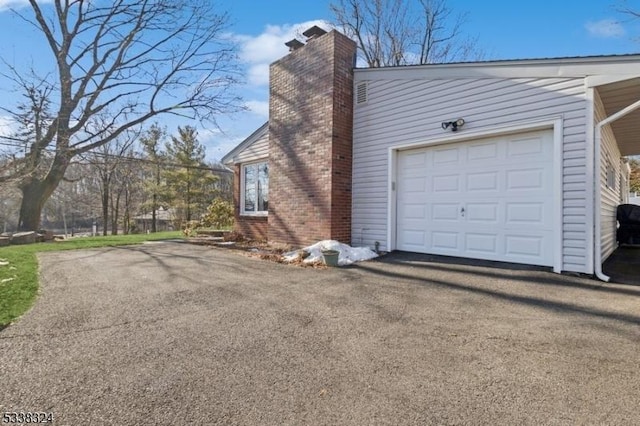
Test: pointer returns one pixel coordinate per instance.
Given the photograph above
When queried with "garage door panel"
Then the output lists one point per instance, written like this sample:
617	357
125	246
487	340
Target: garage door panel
529	146
481	243
414	238
525	213
446	183
482	181
518	180
482	213
443	240
413	160
414	211
486	199
445	156
414	184
524	246
482	152
445	211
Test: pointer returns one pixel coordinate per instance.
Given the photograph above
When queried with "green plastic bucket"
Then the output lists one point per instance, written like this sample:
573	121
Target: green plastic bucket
330	257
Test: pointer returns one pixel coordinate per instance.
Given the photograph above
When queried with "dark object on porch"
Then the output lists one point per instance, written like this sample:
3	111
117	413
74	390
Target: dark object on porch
628	216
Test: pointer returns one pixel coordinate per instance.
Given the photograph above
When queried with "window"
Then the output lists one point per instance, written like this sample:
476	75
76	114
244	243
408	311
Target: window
255	188
611	176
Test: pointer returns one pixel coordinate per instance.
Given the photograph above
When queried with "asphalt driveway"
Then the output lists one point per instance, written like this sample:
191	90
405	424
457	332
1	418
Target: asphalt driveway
171	333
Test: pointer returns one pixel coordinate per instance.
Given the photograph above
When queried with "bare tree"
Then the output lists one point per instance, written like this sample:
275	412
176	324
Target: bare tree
403	32
74	201
623	7
130	179
126	61
106	162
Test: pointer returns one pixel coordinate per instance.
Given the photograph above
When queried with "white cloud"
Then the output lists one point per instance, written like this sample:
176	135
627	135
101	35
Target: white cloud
7	125
222	146
605	28
216	142
16	4
207	134
258	75
259	51
260	108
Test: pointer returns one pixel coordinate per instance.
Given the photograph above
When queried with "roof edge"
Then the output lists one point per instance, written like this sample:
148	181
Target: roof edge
228	158
626	57
579	66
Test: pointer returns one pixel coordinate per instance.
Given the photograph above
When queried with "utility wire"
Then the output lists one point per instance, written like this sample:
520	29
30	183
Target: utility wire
124	157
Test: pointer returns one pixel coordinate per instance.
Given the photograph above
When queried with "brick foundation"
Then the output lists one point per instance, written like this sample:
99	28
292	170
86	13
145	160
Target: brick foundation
252	227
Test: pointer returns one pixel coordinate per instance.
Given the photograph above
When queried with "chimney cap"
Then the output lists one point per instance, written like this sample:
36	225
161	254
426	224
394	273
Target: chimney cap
314	32
294	44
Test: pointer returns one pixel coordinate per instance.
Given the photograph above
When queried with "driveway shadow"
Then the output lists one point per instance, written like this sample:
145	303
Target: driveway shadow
427	271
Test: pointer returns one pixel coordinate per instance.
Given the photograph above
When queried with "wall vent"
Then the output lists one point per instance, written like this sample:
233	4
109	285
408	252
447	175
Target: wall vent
361	93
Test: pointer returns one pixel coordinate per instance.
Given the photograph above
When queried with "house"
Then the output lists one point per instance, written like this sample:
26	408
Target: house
516	160
164	220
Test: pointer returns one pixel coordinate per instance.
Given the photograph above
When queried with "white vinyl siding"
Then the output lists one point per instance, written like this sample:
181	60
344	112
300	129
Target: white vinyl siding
610	183
257	150
402	112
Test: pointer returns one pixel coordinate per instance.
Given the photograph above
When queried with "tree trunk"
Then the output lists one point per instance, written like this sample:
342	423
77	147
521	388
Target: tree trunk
34	195
188	195
127	215
115	212
105	205
154	226
154	207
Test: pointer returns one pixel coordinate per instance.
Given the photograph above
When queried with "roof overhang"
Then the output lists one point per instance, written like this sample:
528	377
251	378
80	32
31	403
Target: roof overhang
616	96
229	159
580	67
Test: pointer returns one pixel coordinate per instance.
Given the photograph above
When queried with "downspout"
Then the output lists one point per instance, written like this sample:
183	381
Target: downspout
598	185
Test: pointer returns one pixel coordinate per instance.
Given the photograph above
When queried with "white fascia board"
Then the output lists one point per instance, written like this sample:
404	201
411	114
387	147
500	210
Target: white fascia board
600	80
229	158
535	68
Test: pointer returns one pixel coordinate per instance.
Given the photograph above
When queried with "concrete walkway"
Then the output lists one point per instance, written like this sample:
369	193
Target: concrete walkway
173	334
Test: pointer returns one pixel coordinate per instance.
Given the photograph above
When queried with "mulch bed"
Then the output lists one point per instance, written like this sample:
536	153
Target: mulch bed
258	249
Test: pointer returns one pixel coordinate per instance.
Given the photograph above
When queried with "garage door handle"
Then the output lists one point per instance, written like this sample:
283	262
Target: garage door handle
462	211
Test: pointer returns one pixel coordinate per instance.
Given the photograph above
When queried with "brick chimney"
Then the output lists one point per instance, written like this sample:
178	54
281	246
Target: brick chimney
310	141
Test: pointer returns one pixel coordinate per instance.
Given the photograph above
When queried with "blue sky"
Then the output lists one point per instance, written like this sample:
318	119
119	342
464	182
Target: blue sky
503	29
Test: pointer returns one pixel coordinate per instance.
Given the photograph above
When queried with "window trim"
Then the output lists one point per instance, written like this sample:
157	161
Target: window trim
610	175
244	212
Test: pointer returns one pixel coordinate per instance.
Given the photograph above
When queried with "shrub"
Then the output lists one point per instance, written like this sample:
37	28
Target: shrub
190	227
219	215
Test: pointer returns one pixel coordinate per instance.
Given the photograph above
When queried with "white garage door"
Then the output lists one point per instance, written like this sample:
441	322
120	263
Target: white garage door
484	199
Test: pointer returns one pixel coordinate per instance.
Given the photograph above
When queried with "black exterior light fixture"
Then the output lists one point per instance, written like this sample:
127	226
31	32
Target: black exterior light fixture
453	124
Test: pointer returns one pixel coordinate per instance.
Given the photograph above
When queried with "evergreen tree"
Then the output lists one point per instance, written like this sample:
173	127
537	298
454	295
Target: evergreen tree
151	143
189	182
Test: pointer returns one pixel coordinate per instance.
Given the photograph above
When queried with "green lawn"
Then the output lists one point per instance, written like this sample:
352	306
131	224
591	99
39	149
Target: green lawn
19	267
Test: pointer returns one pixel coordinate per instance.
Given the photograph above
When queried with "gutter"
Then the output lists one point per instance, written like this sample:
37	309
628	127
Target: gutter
598	186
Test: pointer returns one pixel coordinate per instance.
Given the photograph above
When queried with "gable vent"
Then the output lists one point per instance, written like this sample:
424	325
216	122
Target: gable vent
361	93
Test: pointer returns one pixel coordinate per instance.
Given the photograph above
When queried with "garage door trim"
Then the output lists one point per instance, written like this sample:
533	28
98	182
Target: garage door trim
466	135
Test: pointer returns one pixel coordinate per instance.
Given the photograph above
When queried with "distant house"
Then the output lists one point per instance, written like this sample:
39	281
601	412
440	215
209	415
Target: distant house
518	160
164	220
